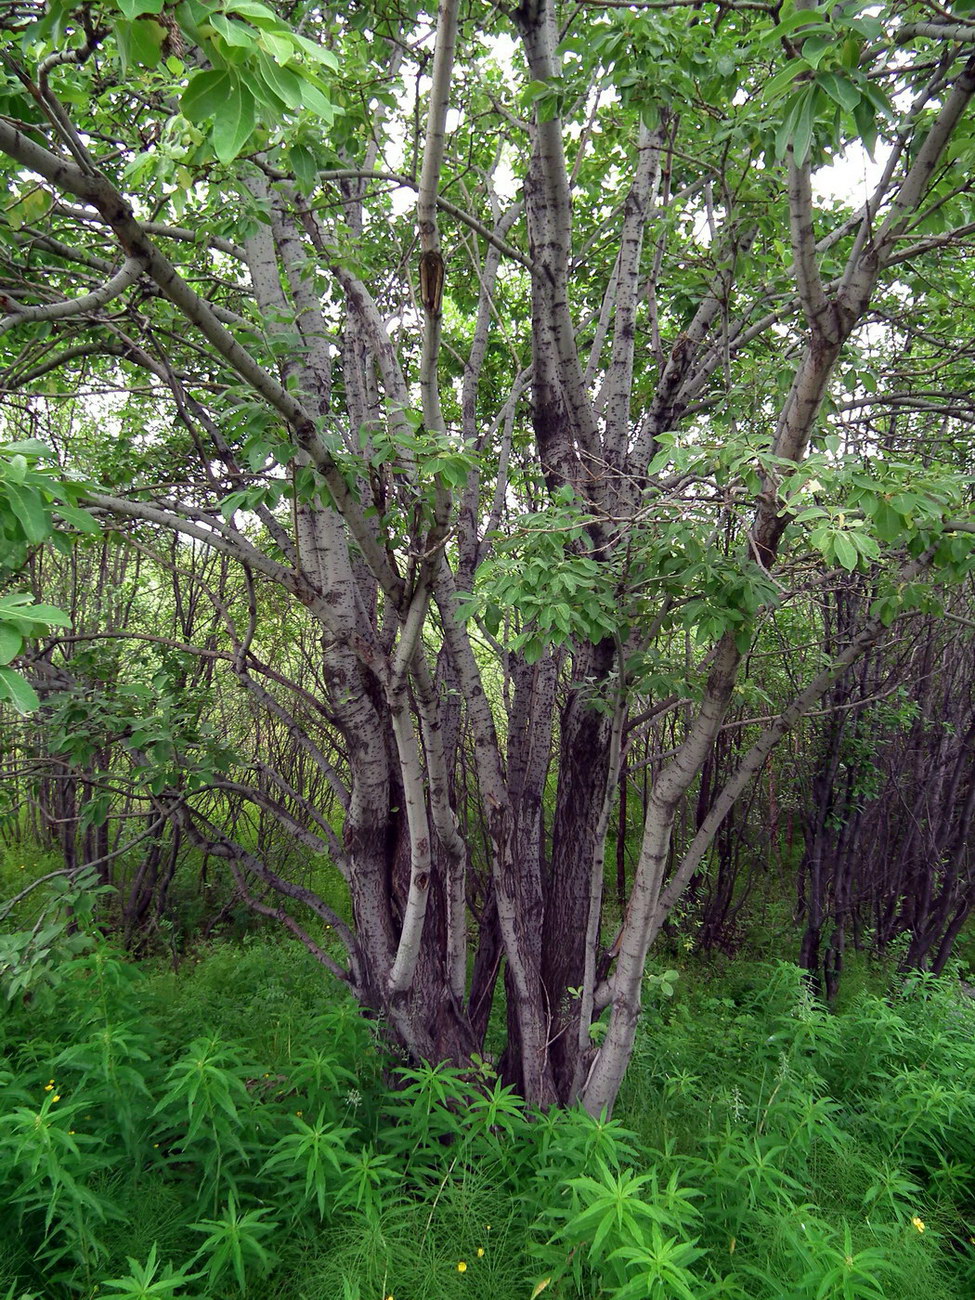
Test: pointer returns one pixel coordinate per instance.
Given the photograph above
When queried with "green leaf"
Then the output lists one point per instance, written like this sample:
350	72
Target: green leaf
259	13
866	545
26	505
16	469
27	211
317	53
80	519
235	123
283	82
278	46
136	8
866	124
814	47
798	18
802	134
784	79
296	91
305	167
235	34
21	608
18	691
11	643
885	608
840	90
845	552
27	447
784	135
140	42
316	101
206	95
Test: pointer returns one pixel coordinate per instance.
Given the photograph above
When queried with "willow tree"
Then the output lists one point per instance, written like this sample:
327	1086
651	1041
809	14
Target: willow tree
513	347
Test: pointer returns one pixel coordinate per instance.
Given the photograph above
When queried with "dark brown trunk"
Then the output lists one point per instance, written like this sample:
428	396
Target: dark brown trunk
583	769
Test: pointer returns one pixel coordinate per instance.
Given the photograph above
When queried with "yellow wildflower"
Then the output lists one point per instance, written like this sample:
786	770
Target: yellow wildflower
49	1087
918	1223
480	1252
56	1097
461	1266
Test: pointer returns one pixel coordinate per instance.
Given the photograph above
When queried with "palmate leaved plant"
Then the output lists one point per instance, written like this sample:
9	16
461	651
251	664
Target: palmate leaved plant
808	1123
616	1232
924	1022
373	1181
925	1112
744	1172
424	1112
105	984
816	1260
574	1141
317	1073
875	1034
892	1194
309	1164
951	1181
841	1273
568	1144
659	1265
110	1065
495	1119
333	1056
45	1173
207	1111
153	1280
234	1244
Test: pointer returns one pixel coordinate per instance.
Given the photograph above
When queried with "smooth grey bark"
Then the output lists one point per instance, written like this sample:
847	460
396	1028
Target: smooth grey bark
830	320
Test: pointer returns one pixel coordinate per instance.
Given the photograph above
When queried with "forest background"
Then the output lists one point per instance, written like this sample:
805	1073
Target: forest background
470	498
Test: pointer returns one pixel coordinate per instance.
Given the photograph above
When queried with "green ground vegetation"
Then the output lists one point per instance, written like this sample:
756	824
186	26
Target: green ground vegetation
235	1127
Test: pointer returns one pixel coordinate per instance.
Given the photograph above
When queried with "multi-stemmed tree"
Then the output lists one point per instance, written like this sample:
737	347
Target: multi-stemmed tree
514	349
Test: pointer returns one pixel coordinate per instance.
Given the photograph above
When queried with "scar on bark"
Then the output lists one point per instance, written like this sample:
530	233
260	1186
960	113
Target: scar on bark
431	281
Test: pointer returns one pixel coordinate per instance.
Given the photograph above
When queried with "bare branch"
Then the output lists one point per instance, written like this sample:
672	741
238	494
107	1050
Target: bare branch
126	277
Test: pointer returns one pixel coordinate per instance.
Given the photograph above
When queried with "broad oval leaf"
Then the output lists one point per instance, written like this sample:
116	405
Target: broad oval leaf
206	95
235	122
18	691
11	643
136	8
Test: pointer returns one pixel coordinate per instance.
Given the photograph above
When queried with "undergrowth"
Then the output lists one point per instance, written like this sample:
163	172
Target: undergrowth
237	1128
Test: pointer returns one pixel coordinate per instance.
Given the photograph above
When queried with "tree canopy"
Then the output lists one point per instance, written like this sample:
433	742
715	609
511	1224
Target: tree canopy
493	388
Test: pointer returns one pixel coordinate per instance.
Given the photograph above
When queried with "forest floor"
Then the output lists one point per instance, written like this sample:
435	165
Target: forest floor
234	1127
